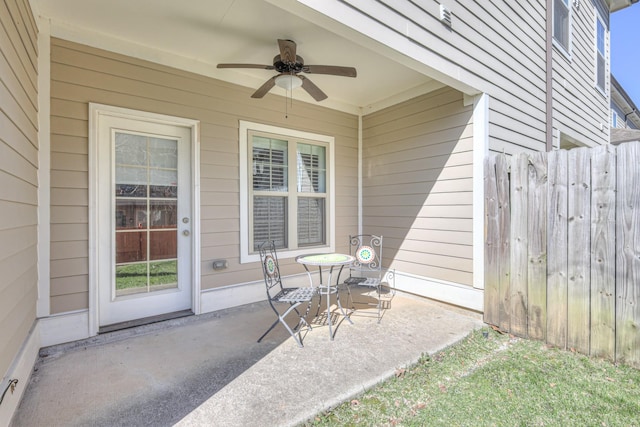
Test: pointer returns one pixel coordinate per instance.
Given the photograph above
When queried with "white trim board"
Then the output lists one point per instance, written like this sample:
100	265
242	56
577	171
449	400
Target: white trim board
439	290
480	152
44	168
20	369
246	293
63	328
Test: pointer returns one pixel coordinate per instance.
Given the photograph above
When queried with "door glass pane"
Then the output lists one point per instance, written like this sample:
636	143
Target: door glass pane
131	279
163	244
164	183
131	149
146	210
163	275
131	246
164	153
131	214
164	214
131	181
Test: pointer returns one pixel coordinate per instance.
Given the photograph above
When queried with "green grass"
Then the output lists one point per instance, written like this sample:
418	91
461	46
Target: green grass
132	276
498	381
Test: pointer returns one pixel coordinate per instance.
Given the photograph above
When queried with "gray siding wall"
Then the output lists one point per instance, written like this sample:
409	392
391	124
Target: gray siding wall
18	177
498	48
82	74
418	186
579	107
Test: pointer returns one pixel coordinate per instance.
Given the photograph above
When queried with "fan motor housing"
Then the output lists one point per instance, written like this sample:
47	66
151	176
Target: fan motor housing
288	67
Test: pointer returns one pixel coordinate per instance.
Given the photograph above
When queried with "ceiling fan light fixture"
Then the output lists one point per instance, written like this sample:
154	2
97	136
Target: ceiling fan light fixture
288	81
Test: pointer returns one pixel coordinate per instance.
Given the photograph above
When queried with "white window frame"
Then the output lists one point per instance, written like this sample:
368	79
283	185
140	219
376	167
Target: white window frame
565	50
614	118
245	128
598	18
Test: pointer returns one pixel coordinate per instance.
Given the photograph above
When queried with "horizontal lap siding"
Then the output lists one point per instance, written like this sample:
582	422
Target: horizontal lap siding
81	74
497	47
18	177
580	108
417	185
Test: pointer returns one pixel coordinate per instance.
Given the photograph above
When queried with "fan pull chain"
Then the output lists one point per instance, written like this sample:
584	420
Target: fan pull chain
286	105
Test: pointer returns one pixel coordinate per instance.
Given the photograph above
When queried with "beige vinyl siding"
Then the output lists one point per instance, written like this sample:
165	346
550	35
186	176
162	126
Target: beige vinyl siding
81	74
18	177
497	47
418	187
579	107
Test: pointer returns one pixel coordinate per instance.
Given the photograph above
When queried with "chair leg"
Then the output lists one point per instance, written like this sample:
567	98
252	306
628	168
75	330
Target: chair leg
269	330
296	336
350	302
293	332
379	303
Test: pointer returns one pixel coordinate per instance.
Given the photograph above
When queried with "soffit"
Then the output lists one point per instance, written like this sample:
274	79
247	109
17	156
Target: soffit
237	31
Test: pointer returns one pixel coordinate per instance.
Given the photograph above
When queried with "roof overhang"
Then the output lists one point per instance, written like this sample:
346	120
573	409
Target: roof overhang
615	5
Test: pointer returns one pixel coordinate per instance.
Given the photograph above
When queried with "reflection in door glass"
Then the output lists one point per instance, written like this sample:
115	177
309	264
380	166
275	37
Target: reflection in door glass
146	213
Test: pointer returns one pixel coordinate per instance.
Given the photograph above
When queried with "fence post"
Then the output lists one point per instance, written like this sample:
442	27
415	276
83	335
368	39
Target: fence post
504	221
492	243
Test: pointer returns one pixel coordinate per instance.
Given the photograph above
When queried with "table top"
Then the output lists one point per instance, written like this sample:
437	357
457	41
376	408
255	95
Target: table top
327	259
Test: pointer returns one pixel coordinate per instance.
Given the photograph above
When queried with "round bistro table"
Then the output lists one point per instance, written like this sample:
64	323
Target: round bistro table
329	261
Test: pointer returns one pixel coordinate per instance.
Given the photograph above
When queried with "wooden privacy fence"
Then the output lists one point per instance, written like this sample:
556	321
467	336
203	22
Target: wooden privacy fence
562	246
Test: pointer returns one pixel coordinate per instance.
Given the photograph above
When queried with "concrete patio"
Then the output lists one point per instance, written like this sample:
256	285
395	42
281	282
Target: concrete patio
209	370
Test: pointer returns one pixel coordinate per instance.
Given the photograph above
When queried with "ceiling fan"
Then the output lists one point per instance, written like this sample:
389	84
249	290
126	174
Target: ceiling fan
289	66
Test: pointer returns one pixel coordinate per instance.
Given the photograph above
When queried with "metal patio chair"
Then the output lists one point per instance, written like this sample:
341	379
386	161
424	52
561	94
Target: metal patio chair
278	295
366	270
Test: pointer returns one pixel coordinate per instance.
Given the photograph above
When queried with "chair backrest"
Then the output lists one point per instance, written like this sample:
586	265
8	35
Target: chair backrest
367	249
270	268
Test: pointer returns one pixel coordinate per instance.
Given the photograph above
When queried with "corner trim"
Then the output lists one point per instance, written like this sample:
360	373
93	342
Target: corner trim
43	305
480	152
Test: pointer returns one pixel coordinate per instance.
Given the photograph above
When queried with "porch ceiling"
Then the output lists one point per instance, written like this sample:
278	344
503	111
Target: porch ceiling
202	33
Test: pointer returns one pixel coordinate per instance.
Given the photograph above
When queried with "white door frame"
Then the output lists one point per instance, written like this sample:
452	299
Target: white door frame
96	111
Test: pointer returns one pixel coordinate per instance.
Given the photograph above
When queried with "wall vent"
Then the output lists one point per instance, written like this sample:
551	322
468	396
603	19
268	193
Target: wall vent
445	16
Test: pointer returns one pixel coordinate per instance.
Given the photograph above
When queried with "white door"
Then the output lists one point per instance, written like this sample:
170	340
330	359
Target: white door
143	220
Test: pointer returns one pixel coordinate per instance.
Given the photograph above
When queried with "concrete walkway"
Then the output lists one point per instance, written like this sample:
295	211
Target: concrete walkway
208	370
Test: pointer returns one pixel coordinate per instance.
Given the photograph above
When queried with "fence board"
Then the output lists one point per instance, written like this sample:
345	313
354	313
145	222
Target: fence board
492	243
579	242
519	244
628	254
504	220
603	259
557	250
537	250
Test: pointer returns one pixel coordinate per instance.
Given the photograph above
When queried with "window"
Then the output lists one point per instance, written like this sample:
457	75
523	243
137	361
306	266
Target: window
561	27
614	119
286	190
601	64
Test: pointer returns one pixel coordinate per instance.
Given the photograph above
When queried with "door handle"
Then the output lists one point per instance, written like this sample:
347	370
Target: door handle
186	233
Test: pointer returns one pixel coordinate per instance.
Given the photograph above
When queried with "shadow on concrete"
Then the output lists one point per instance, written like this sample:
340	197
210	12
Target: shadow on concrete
209	369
